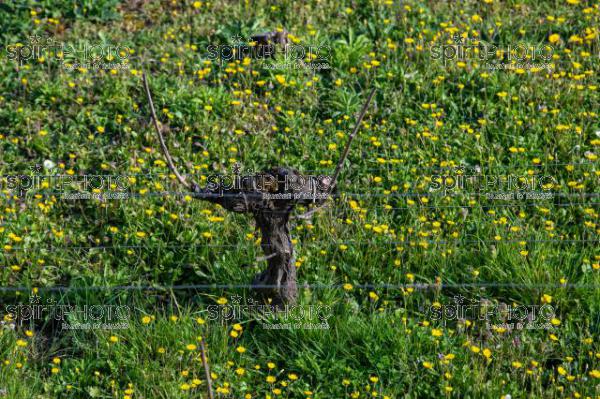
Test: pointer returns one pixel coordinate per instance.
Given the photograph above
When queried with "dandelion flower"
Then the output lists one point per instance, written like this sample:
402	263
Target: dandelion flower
554	38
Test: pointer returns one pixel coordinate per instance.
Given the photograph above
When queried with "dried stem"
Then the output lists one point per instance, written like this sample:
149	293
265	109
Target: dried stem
163	146
340	163
206	369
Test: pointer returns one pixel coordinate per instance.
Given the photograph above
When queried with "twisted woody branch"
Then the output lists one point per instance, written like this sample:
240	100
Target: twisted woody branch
270	197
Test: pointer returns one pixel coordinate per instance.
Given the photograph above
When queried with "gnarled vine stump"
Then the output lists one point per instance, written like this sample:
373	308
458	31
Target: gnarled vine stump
270	197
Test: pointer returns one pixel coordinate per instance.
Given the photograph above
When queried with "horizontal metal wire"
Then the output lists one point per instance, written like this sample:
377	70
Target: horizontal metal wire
441	193
492	205
204	287
416	241
393	167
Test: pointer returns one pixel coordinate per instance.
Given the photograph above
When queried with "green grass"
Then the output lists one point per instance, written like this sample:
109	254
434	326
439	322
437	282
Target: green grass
386	230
